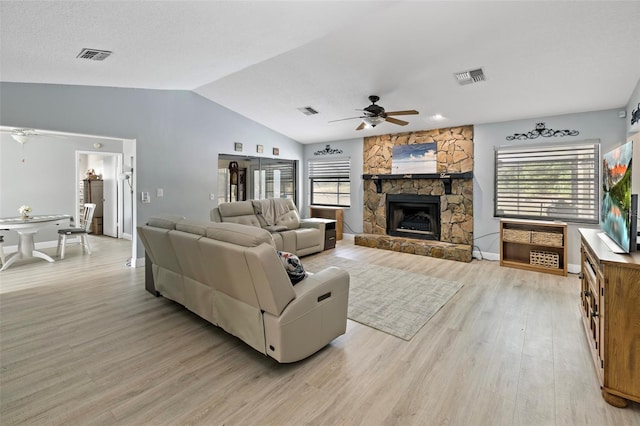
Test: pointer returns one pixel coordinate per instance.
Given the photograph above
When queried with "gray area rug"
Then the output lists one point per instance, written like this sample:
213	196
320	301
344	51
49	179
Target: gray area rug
391	300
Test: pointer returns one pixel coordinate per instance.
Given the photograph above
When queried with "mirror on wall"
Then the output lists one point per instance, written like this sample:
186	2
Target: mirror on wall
243	178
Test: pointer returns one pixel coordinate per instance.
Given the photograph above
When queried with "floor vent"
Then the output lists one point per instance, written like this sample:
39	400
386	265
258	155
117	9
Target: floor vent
471	76
94	54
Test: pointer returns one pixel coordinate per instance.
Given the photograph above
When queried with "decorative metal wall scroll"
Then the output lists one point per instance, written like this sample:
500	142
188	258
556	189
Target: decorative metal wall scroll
328	150
635	116
541	130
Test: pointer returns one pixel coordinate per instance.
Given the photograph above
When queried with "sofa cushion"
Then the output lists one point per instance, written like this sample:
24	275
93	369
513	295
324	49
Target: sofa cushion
276	228
240	212
193	227
291	220
166	222
293	266
279	212
243	235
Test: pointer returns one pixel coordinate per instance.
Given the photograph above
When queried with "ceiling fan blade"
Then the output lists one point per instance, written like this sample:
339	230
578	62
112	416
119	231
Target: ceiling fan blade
343	119
361	126
406	112
396	121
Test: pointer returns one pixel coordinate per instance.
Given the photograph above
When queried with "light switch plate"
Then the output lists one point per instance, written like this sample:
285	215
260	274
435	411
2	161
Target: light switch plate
159	192
144	197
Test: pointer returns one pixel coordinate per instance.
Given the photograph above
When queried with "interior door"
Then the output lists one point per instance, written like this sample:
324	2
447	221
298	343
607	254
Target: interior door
110	209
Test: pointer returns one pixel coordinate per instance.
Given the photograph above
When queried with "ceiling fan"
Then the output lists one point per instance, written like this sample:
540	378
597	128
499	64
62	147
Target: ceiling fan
24	135
20	135
375	114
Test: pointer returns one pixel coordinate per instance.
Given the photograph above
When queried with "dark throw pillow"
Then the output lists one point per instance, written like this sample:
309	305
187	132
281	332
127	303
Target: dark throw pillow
292	265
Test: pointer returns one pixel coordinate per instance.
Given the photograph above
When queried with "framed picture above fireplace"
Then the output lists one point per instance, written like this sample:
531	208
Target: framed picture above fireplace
414	158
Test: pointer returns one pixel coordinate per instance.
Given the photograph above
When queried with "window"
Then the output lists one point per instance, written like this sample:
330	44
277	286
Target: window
274	179
548	182
330	182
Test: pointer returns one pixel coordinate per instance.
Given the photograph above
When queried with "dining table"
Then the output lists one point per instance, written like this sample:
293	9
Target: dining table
27	227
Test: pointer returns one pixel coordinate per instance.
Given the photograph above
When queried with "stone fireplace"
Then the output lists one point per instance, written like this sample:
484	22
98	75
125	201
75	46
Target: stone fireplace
413	216
451	186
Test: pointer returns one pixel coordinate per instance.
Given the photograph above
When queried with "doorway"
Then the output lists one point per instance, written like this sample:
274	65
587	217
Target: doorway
97	182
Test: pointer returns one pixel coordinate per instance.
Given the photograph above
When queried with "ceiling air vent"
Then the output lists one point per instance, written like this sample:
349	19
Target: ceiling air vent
94	54
307	110
472	76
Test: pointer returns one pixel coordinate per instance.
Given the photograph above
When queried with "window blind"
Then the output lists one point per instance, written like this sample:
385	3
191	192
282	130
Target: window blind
330	168
330	182
548	182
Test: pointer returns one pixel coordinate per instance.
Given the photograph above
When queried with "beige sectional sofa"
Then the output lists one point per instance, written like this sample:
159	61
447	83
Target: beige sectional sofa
280	217
231	275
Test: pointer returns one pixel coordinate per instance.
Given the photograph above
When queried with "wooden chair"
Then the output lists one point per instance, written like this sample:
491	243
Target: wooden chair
82	231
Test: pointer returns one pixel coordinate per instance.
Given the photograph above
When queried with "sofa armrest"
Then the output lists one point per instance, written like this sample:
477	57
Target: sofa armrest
314	318
315	290
305	223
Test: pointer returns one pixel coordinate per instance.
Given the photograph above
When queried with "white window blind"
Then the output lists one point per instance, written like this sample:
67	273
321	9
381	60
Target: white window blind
548	182
330	168
330	182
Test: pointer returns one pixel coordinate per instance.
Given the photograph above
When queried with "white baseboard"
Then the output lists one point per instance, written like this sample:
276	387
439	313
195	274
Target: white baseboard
486	256
571	268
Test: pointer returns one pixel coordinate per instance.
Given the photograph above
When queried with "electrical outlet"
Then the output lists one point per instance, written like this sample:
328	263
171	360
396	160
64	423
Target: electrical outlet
144	197
212	196
159	192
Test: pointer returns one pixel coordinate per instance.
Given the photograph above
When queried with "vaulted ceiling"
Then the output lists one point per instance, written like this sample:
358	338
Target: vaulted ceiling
266	59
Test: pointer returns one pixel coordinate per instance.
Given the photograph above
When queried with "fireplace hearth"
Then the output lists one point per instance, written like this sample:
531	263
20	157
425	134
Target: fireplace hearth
413	216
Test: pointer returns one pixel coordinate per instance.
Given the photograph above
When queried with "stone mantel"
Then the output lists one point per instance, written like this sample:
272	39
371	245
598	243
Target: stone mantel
446	178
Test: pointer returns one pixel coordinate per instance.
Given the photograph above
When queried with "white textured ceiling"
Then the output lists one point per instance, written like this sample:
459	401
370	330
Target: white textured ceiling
265	59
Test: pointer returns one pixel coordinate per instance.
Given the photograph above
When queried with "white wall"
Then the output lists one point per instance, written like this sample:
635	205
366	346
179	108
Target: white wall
179	135
606	126
353	149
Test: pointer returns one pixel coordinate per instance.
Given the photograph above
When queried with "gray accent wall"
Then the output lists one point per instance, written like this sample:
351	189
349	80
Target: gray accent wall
353	149
606	126
178	134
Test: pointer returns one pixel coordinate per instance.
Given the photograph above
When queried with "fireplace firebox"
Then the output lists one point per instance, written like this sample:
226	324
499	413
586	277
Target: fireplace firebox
413	216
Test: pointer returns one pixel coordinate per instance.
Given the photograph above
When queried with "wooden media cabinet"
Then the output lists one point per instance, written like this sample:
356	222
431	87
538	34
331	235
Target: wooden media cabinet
610	308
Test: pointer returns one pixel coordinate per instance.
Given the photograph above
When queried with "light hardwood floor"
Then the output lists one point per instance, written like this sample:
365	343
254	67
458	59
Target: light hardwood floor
82	342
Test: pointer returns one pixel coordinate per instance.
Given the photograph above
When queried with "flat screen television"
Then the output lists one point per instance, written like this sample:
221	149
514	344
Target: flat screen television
619	209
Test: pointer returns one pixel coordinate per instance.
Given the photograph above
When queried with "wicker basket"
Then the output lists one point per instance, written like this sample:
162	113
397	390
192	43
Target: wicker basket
547	238
544	258
516	235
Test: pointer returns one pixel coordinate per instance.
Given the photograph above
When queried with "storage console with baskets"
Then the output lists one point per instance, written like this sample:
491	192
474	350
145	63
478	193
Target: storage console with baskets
534	245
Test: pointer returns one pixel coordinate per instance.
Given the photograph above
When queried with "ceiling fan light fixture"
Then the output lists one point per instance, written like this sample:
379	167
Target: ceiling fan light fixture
20	138
372	121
